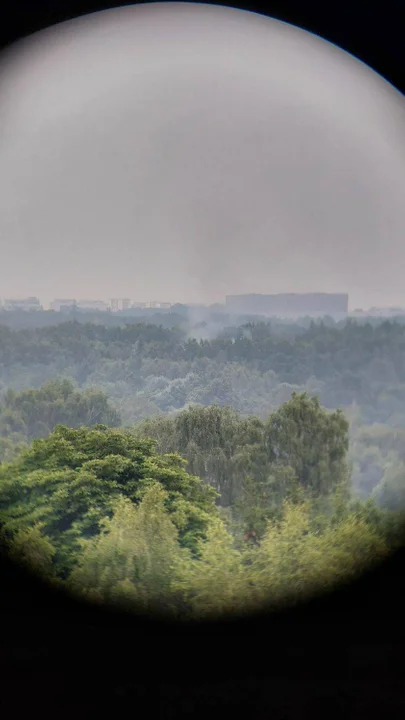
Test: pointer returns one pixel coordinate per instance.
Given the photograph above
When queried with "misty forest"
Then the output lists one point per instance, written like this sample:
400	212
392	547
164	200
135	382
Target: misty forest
164	464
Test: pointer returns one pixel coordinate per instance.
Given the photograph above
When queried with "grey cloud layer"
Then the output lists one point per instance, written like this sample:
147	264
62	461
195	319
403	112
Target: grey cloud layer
184	152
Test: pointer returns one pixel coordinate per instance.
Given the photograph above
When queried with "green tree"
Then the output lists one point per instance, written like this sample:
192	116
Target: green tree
70	480
131	562
207	438
294	560
213	583
33	550
37	412
311	441
390	491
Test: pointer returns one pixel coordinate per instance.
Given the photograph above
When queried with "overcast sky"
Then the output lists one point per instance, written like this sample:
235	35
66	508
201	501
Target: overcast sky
175	152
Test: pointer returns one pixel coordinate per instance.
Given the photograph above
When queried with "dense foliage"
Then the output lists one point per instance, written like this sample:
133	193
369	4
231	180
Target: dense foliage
146	467
67	483
147	368
255	464
31	414
138	561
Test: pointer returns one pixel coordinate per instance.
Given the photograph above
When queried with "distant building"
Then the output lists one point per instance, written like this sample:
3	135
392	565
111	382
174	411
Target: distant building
115	305
289	304
92	305
158	305
385	312
61	305
138	305
29	303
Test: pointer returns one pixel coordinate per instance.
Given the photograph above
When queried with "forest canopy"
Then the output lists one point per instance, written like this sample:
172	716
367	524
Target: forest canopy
145	467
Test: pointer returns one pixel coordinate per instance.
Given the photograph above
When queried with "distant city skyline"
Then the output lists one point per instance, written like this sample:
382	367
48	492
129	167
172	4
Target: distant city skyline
46	300
122	302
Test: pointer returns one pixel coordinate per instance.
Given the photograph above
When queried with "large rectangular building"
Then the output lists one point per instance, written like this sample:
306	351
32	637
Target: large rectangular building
92	305
28	304
62	304
290	304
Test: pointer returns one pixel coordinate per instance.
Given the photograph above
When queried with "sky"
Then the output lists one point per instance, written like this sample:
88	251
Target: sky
178	152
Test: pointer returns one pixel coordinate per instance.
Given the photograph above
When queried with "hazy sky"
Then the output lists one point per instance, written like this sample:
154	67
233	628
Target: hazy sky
176	152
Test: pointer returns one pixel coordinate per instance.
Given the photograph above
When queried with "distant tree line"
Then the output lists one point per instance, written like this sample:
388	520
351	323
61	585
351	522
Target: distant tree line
147	369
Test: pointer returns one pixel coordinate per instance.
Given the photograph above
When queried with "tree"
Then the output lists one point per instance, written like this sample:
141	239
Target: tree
294	560
262	500
213	583
33	550
390	491
311	441
207	438
34	413
70	481
131	562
